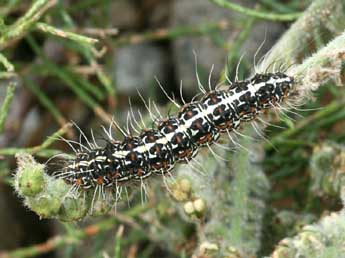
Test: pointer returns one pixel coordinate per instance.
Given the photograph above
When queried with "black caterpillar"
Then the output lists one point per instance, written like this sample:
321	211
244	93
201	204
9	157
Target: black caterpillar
177	138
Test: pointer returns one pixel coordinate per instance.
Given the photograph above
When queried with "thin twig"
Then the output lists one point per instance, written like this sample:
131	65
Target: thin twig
6	105
325	112
163	34
98	32
41	147
118	240
65	34
21	26
75	238
256	13
70	82
46	102
8	66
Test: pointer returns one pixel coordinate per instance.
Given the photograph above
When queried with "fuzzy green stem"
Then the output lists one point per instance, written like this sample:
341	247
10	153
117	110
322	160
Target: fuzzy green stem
248	181
22	25
323	239
321	15
327	169
8	66
228	189
320	67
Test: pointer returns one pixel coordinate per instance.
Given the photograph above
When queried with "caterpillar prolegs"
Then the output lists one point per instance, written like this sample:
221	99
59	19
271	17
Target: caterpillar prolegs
92	181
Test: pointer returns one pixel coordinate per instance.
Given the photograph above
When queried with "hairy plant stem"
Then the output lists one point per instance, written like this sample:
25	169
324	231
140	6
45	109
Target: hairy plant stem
322	15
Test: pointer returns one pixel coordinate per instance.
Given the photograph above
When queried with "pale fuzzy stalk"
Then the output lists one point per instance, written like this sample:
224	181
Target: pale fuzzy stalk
325	238
249	191
234	193
162	222
322	66
327	169
322	15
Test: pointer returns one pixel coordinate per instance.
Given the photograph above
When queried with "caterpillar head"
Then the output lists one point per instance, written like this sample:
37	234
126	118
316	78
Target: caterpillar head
272	88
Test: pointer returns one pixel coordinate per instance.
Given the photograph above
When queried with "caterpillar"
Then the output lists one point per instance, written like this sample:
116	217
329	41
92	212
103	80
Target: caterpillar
178	138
